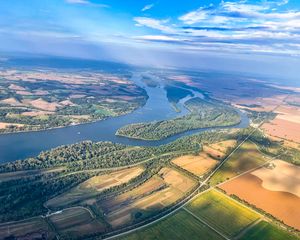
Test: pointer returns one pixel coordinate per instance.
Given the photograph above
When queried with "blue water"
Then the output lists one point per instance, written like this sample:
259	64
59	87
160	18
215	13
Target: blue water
27	144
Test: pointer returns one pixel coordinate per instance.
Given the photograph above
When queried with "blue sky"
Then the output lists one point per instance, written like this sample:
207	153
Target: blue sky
120	28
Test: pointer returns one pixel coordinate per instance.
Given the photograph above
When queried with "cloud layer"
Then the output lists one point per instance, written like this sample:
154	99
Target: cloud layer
265	26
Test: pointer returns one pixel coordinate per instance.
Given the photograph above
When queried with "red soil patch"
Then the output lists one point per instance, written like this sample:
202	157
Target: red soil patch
281	205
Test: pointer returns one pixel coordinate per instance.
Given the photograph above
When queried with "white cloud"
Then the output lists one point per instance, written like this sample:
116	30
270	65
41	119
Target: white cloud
154	24
78	1
86	2
194	16
147	7
158	38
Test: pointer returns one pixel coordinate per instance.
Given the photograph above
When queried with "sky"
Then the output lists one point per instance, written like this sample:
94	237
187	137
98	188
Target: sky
159	32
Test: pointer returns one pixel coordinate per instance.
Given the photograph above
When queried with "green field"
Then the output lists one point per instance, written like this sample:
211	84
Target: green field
33	229
245	158
179	226
224	214
267	231
76	223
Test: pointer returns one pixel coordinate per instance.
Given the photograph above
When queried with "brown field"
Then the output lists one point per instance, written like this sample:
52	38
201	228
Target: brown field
223	146
99	183
280	176
197	165
276	189
93	186
264	104
7	176
16	87
36	113
283	129
286	125
206	160
160	191
5	125
24	93
35	228
12	102
42	104
76	222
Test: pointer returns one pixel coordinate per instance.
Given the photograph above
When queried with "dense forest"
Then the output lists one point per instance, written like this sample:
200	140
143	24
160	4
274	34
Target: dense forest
203	114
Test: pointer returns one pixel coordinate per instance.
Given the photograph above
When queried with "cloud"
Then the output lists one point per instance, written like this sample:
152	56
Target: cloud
154	24
78	1
86	2
231	26
147	7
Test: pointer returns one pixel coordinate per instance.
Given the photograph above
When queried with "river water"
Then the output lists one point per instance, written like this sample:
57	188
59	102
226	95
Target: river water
16	146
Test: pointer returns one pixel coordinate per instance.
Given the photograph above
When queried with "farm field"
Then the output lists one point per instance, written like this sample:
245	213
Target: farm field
76	223
223	213
277	190
160	191
287	122
35	228
94	186
267	231
181	225
206	160
29	173
41	99
245	158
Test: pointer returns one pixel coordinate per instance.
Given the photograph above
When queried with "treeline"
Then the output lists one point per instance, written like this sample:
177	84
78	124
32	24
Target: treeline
203	114
26	200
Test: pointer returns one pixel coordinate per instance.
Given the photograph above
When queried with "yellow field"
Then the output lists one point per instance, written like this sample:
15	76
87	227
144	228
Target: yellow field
93	186
206	160
181	226
223	213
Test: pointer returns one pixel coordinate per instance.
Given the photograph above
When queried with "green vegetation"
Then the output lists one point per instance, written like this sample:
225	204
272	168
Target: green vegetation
223	213
203	114
178	226
267	231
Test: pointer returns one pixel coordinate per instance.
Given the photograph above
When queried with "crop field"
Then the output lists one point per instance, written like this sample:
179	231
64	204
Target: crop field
287	122
94	186
245	158
181	225
267	231
205	160
35	228
76	222
8	176
277	190
160	191
223	213
39	99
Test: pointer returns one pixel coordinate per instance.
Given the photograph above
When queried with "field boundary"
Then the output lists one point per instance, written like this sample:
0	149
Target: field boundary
206	224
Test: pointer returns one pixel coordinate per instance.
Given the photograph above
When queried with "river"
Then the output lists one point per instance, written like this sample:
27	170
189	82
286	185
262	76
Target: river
16	146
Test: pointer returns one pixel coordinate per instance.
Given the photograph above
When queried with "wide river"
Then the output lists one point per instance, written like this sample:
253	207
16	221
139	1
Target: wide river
16	146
